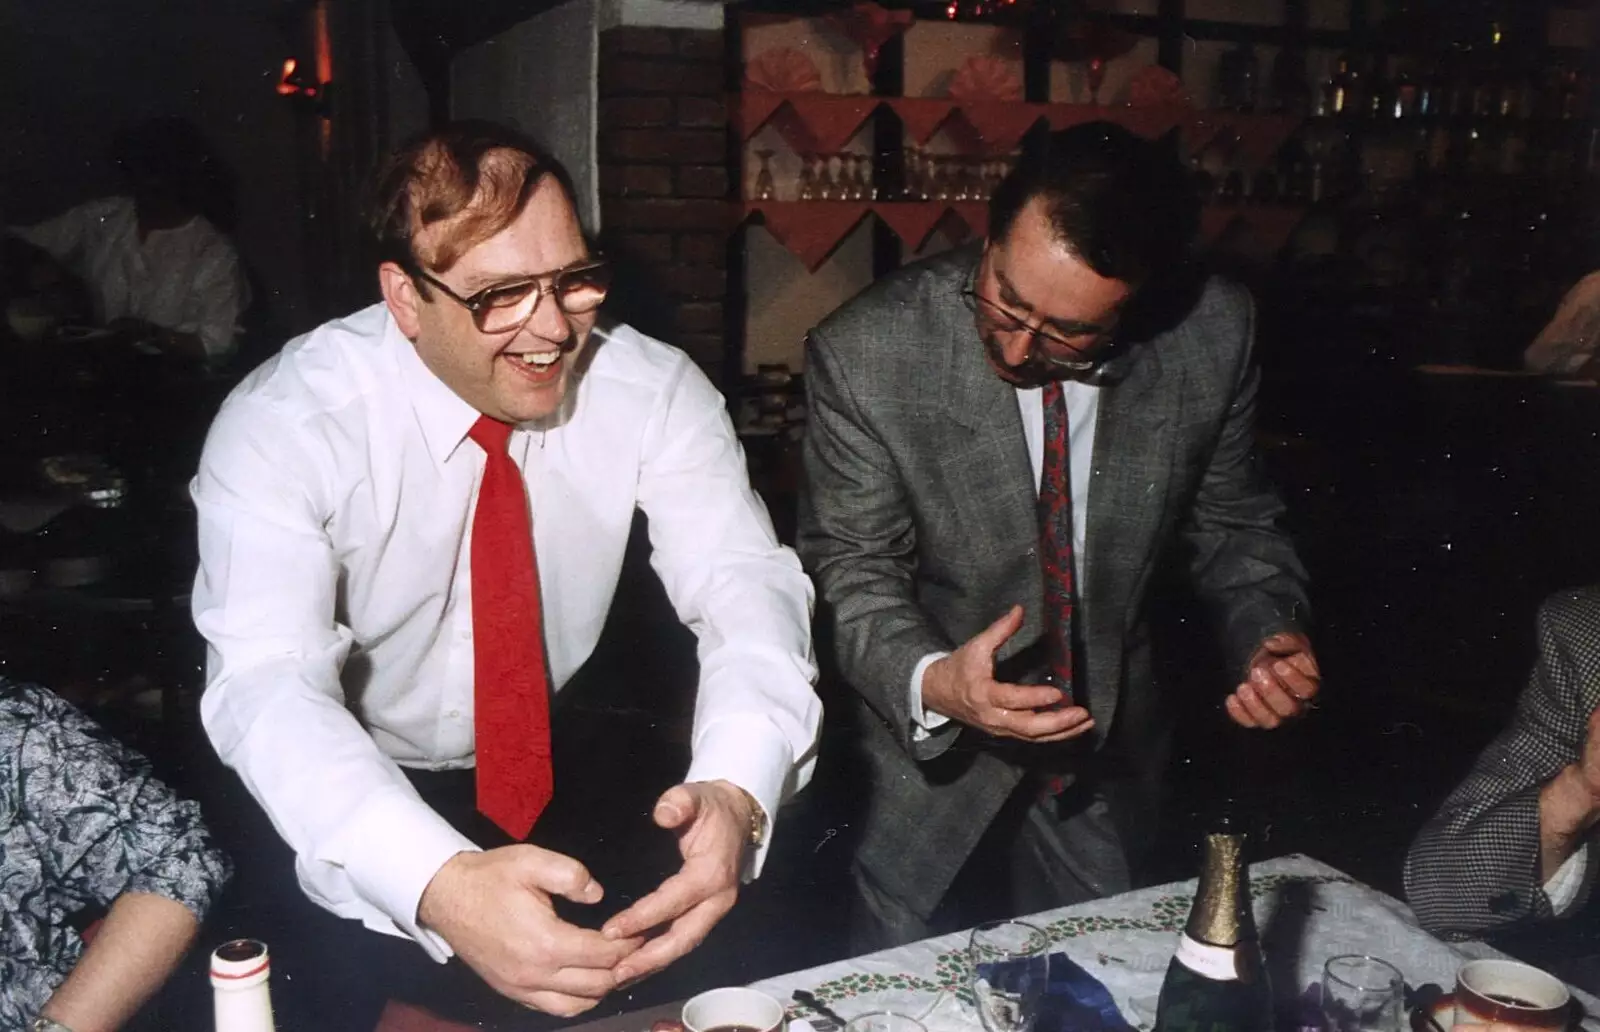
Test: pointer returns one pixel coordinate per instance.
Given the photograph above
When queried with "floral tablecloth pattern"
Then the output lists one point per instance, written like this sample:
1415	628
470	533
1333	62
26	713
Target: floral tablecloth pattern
1306	912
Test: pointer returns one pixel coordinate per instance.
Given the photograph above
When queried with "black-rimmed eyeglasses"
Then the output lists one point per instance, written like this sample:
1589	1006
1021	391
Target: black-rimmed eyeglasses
577	289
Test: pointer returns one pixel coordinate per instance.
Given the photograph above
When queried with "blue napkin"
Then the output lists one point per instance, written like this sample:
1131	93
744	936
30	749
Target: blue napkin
1068	998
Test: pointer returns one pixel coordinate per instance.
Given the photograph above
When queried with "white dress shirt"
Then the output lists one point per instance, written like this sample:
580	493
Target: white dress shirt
1566	887
185	279
335	497
1083	408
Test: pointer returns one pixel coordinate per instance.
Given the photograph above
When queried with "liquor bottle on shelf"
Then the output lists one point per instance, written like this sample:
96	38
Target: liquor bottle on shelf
1379	99
1238	78
1341	94
1407	90
240	996
1289	91
1217	981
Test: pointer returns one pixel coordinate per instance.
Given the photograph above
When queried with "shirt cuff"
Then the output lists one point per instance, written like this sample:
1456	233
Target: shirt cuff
390	851
924	721
752	754
1566	885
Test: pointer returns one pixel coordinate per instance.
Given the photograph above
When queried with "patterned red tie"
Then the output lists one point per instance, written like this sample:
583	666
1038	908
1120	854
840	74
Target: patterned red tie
1055	539
512	691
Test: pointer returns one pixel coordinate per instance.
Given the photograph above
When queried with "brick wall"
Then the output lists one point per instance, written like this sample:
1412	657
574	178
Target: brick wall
667	169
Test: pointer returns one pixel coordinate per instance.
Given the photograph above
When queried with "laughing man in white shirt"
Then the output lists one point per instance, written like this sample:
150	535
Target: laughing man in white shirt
336	502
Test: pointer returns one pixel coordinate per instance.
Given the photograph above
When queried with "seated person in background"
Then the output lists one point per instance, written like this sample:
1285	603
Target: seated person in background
151	257
1511	845
84	824
1566	346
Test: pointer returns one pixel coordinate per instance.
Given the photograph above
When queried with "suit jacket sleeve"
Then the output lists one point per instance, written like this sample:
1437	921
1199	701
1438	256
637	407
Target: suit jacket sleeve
1242	564
858	539
1474	867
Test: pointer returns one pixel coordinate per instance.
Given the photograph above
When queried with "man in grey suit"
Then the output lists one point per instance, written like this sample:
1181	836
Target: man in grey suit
1001	443
1512	846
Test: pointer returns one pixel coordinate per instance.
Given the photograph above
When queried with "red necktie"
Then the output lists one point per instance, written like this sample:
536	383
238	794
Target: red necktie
1055	539
512	691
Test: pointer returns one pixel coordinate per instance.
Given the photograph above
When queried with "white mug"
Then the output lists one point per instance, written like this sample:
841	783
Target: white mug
733	1010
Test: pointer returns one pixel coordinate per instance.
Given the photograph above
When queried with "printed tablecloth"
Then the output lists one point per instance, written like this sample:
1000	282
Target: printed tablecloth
1306	912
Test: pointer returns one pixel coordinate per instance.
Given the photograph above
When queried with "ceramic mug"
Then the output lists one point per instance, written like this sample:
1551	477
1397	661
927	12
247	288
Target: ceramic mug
733	1010
1510	992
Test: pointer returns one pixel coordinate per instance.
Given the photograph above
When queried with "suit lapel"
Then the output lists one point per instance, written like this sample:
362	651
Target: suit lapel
986	451
1132	471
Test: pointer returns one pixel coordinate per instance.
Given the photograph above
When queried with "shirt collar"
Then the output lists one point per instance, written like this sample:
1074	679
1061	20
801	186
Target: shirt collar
441	413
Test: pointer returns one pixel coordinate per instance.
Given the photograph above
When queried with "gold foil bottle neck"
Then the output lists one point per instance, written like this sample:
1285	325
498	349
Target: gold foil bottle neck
1221	914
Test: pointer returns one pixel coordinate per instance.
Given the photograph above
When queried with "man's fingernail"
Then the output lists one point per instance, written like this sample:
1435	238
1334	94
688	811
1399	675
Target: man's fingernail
624	976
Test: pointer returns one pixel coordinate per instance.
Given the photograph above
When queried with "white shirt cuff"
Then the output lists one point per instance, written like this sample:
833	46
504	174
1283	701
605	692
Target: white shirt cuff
390	852
924	721
752	754
1566	885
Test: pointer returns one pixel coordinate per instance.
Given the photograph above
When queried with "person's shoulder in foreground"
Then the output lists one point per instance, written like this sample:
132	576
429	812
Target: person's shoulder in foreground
87	825
1510	847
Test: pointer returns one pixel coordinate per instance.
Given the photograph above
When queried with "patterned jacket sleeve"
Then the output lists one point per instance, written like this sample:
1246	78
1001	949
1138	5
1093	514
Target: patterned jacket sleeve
101	820
1474	868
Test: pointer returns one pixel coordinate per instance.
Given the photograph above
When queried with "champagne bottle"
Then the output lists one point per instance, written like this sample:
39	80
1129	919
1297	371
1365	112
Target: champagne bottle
1217	981
239	971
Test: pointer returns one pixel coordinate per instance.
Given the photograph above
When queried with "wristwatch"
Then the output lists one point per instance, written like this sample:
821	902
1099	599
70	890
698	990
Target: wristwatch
44	1024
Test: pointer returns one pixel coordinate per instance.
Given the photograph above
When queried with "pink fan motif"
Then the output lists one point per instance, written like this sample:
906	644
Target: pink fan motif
985	77
1153	86
782	70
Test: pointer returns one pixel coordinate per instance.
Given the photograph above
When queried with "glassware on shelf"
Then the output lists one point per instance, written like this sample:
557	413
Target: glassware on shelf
827	184
809	187
765	189
916	172
1095	75
1289	91
1238	78
1341	94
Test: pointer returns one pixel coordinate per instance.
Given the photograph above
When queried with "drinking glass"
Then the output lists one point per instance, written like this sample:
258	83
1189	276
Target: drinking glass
1010	967
765	188
884	1021
1361	994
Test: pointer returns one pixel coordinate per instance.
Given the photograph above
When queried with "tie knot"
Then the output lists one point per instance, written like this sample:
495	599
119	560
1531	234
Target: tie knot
491	435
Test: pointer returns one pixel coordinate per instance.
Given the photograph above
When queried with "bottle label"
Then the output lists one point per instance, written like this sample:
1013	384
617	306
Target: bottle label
1217	963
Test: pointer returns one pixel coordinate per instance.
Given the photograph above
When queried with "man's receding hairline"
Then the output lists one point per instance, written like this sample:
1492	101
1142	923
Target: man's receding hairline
436	156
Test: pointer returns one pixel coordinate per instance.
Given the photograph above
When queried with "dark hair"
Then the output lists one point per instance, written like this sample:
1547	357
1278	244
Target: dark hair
437	175
170	155
1121	203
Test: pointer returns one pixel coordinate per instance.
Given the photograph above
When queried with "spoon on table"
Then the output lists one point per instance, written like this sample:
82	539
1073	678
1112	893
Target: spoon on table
833	1019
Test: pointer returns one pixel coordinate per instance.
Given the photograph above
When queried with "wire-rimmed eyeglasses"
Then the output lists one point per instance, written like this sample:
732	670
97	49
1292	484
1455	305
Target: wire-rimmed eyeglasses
577	289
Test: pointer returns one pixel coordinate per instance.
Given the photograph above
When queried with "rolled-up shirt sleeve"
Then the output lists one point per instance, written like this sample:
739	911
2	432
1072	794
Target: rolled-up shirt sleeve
757	715
366	845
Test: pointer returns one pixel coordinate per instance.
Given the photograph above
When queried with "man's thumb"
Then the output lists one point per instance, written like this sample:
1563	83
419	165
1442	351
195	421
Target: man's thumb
675	806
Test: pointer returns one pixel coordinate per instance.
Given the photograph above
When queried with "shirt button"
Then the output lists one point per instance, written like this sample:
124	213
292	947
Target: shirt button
454	714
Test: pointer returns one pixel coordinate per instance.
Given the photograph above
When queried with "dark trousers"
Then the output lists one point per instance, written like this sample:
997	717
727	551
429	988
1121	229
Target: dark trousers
1039	853
340	974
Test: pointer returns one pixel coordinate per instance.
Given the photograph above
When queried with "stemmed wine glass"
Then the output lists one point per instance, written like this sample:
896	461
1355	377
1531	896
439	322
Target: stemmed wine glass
809	187
765	189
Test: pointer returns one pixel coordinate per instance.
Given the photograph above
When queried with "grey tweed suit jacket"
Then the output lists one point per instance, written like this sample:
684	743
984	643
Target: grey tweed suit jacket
918	521
1474	868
